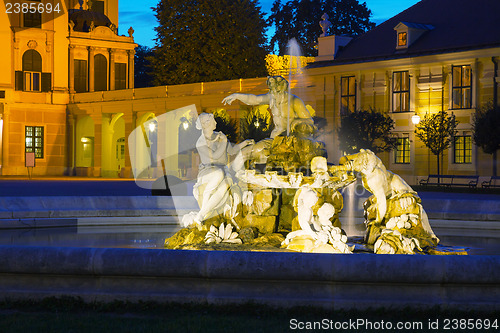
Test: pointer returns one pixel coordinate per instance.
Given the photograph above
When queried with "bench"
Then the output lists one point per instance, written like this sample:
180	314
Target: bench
450	180
493	182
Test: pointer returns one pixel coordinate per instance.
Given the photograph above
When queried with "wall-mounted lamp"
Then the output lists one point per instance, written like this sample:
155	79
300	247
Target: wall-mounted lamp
185	123
415	119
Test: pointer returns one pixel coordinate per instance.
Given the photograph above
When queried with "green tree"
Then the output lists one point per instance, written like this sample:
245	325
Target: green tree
256	125
226	125
208	40
366	129
142	67
436	132
300	19
486	134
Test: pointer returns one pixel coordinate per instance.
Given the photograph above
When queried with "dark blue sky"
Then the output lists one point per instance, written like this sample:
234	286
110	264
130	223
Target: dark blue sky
139	15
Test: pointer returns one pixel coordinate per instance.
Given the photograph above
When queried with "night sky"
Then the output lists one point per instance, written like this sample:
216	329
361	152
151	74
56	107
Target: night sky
139	15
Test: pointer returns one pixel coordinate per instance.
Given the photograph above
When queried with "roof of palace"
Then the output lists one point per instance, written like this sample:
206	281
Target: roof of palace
448	25
83	18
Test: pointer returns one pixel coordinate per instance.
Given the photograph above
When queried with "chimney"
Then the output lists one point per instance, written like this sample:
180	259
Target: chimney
329	46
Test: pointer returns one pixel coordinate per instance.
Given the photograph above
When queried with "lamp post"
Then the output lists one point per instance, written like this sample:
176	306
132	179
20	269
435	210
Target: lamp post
415	119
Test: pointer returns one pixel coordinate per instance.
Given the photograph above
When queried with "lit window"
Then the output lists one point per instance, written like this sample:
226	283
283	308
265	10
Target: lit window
402	151
401	91
120	149
34	140
462	87
462	149
402	38
348	94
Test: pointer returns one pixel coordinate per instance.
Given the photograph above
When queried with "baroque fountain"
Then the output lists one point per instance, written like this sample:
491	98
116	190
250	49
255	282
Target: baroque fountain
280	194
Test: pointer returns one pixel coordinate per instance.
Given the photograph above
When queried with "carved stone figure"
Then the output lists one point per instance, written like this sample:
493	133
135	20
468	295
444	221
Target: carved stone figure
212	189
278	99
306	199
316	233
325	25
394	205
130	32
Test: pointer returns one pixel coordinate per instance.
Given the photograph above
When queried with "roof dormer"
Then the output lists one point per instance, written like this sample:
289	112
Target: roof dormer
407	33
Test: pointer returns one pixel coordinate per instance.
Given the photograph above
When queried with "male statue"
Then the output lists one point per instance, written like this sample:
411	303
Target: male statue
278	98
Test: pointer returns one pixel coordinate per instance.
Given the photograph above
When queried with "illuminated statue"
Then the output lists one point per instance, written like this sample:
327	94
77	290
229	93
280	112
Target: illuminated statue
213	187
279	99
394	210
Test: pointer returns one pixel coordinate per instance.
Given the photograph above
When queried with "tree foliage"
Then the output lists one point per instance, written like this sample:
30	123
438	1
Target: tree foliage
486	134
208	40
256	125
226	125
436	132
366	129
282	65
300	19
142	67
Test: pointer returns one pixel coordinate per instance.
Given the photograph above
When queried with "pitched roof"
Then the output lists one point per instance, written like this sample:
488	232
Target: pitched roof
457	25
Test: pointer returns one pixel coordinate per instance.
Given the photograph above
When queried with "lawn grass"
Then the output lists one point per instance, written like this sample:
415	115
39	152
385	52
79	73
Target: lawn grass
74	315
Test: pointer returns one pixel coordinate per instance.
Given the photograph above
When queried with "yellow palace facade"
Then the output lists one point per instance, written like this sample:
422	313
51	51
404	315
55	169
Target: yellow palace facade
67	91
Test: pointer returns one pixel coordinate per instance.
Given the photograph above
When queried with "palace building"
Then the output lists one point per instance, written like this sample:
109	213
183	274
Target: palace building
436	55
67	88
53	51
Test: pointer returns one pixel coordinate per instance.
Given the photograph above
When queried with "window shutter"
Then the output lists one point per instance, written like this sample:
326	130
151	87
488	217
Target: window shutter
46	82
19	80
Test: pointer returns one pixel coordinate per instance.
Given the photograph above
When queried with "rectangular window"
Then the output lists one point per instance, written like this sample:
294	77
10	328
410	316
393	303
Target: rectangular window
120	76
402	39
31	81
32	20
80	78
400	91
462	87
34	140
348	94
402	151
98	6
462	149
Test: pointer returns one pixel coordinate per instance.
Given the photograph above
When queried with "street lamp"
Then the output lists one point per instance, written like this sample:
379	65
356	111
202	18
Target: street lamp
185	123
415	119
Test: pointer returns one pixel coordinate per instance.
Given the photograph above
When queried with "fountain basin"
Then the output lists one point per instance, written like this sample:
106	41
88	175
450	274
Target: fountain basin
235	277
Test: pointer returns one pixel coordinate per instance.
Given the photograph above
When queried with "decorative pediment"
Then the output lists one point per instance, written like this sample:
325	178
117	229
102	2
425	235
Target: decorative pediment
103	31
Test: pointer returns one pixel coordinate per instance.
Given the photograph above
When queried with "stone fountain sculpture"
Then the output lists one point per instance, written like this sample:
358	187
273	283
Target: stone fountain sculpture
214	187
395	219
293	204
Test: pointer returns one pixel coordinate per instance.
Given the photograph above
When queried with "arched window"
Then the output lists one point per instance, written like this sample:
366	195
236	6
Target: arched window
31	78
32	70
100	73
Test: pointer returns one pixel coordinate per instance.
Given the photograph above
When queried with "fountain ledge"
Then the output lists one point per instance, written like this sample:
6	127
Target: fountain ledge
234	277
